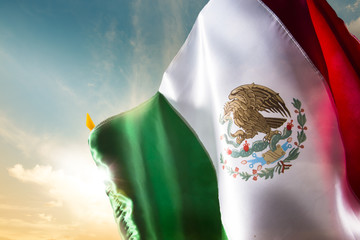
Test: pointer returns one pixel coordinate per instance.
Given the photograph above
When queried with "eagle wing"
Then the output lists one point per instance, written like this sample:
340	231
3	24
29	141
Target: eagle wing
260	98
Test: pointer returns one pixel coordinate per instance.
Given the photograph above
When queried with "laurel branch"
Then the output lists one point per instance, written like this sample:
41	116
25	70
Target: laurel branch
281	166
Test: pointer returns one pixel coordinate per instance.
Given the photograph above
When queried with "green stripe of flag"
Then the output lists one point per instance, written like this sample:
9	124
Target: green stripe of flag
165	184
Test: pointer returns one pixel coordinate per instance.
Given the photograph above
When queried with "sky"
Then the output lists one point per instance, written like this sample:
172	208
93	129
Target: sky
59	60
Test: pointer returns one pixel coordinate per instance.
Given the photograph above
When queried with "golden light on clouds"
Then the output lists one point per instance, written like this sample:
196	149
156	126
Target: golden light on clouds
60	197
105	58
77	207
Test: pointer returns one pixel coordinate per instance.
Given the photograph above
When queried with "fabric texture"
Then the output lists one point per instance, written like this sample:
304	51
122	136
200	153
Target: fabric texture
336	53
342	56
164	186
254	130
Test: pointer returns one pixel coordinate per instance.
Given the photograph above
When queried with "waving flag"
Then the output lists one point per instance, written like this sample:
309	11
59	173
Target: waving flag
252	135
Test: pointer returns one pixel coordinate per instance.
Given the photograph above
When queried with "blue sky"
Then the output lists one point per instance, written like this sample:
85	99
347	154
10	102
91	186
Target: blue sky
58	61
63	58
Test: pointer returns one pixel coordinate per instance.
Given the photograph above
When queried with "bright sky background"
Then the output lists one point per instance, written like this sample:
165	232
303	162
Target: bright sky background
60	59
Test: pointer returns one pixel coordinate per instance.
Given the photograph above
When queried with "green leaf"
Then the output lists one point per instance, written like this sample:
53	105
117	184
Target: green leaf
296	104
301	137
221	158
245	175
278	168
293	154
301	119
267	173
230	170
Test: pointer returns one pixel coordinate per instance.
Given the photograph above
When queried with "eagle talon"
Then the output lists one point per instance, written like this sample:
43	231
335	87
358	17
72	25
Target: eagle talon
239	140
271	134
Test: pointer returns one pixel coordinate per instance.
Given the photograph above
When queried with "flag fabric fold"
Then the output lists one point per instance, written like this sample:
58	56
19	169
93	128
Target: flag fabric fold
253	131
336	54
163	185
342	56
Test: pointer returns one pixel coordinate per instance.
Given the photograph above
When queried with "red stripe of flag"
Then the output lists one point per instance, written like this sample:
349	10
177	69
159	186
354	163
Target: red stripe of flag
336	53
338	48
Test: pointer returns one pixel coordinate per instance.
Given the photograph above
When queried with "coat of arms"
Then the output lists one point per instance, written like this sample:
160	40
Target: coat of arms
275	152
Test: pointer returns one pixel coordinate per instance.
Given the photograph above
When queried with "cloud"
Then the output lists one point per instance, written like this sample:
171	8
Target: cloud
173	28
66	190
353	7
63	87
82	194
69	201
109	53
143	80
17	137
132	62
140	79
56	203
105	48
39	174
39	228
45	217
12	207
43	147
82	197
65	90
354	27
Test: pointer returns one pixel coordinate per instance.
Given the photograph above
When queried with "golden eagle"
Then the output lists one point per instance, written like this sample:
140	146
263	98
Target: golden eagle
246	102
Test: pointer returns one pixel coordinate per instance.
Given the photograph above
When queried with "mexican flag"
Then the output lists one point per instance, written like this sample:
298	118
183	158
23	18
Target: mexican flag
253	133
